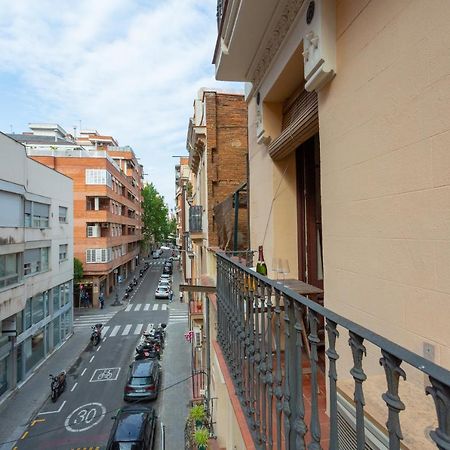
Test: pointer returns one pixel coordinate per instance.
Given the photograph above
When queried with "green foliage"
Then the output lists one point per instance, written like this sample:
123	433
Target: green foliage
197	412
201	437
156	223
78	270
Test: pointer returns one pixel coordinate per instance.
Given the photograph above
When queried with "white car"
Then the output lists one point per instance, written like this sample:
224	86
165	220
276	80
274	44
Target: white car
164	283
162	292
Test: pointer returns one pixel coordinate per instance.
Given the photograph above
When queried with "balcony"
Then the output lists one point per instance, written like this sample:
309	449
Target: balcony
269	339
196	223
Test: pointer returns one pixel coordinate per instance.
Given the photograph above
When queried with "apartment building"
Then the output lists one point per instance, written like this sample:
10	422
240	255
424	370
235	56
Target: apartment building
348	185
36	262
183	192
107	183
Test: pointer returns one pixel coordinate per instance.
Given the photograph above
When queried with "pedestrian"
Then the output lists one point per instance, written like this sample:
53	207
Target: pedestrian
88	300
101	299
170	296
181	296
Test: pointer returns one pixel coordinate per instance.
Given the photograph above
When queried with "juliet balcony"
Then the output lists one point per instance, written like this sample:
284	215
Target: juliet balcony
196	223
306	377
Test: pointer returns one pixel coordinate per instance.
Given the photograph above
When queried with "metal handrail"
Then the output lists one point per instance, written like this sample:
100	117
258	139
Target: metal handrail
257	316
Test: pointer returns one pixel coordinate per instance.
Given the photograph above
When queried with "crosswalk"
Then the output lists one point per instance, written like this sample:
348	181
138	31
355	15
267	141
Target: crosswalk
178	317
88	320
129	329
136	307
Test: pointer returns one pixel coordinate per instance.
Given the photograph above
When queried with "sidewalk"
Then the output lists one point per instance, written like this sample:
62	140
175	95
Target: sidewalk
23	403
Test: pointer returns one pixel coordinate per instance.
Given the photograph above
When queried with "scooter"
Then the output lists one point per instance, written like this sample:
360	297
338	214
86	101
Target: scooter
58	384
96	334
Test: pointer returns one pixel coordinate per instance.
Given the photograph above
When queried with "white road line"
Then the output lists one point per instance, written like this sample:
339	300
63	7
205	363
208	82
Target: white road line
104	330
138	328
92	358
73	387
115	330
146	307
84	371
155	307
96	315
98	348
138	307
128	308
53	412
126	330
164	307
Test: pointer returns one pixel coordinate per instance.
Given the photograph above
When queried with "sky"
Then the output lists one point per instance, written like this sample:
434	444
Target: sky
127	68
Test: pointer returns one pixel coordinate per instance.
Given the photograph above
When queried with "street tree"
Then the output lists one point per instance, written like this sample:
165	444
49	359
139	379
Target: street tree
156	222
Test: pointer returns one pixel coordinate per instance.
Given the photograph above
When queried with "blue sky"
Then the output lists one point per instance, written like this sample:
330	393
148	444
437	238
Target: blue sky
130	68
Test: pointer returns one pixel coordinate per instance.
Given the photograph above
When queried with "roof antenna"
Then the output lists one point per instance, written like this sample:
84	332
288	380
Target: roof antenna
11	127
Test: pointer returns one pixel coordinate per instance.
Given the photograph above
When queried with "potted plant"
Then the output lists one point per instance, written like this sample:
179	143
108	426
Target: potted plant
201	437
198	415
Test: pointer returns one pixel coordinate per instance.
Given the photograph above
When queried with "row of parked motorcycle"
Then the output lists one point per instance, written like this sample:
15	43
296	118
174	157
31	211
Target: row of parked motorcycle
134	281
151	343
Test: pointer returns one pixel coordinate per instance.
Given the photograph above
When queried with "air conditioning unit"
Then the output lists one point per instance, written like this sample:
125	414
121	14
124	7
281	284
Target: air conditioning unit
198	337
105	225
346	419
202	392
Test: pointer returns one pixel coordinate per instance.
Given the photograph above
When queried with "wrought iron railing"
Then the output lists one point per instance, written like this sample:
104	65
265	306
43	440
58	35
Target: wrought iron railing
220	11
259	328
196	219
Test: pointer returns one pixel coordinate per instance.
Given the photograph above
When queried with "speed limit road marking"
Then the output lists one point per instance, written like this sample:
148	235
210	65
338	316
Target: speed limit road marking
85	417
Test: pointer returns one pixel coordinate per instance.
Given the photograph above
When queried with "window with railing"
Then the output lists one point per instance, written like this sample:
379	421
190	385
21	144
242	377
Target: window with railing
196	218
63	251
10	269
36	214
98	176
62	214
36	260
98	255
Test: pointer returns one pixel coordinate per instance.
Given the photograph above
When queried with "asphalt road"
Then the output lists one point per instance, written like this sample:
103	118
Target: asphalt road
81	417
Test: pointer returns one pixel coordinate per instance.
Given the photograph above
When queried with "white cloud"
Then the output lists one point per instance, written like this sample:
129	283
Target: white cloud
127	68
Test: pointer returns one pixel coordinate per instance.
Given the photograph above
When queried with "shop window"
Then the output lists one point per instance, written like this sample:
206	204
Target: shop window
56	302
37	308
3	375
46	295
56	331
27	314
34	349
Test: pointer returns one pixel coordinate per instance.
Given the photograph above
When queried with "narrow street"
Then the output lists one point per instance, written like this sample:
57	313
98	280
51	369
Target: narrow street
81	417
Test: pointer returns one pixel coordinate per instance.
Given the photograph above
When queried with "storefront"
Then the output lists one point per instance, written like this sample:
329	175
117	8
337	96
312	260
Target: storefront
44	323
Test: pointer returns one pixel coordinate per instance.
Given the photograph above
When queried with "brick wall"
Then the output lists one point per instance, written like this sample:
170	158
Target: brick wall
227	148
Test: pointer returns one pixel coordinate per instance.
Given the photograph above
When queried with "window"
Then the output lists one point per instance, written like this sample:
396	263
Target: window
63	248
98	255
56	304
37	308
36	214
9	269
27	315
62	214
98	176
36	260
11	209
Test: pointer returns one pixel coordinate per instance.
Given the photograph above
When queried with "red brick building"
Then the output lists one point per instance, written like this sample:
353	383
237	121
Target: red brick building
107	181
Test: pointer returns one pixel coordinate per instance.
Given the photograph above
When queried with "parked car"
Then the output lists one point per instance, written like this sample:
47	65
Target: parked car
162	292
143	380
134	428
165	276
155	254
167	269
164	283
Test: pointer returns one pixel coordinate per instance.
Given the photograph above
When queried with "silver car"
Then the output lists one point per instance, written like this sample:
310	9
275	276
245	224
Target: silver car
162	292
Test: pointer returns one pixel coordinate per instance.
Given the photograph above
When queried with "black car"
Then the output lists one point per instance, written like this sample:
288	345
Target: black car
134	429
143	380
167	269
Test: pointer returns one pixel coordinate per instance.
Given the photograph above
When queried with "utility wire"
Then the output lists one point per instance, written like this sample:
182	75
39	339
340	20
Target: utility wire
102	414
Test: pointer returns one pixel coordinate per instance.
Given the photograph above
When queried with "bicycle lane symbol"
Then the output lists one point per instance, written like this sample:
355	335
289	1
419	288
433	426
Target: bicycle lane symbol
85	417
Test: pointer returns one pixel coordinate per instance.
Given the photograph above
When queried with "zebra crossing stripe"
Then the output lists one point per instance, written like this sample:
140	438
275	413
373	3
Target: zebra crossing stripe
105	329
128	308
146	307
138	307
138	328
126	330
115	330
164	307
155	307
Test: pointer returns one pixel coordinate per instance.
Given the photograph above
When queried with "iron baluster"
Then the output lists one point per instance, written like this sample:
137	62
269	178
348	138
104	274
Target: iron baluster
263	366
278	375
441	396
287	372
269	373
357	372
252	357
258	363
393	372
314	340
332	333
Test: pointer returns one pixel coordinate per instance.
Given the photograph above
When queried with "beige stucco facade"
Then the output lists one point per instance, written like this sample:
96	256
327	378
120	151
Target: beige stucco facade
384	133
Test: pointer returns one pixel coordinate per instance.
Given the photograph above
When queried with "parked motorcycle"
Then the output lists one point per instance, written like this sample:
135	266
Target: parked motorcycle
96	334
57	385
142	353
